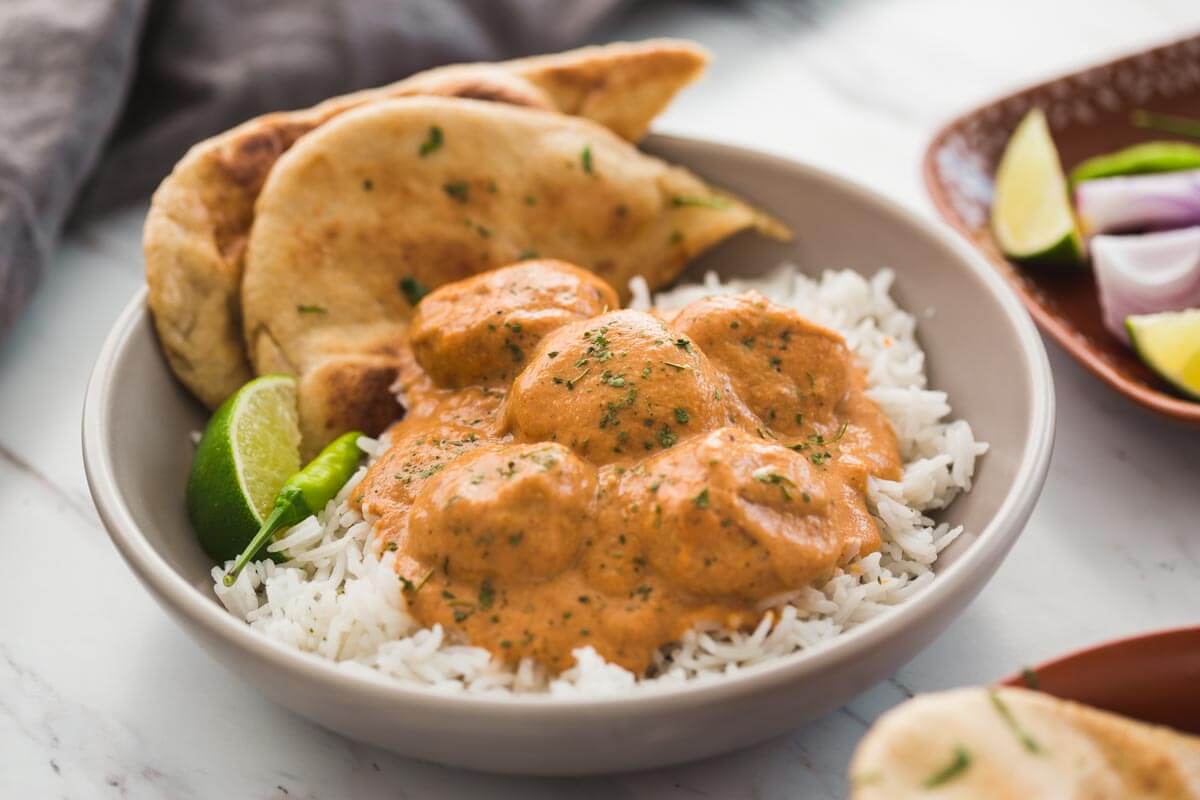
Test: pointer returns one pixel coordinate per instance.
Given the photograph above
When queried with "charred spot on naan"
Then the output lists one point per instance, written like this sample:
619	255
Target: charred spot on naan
347	392
200	217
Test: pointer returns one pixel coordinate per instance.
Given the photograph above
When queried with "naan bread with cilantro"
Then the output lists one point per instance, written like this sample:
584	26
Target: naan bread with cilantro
1014	743
196	230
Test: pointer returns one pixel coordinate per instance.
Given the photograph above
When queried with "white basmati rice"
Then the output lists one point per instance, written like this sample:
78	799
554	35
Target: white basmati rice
338	598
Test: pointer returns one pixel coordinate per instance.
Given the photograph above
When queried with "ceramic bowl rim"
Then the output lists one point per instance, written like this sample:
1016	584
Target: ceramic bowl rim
175	592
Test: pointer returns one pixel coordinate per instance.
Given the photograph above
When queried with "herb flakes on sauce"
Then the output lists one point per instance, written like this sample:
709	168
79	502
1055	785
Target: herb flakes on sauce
487	595
413	290
773	478
409	586
667	437
571	383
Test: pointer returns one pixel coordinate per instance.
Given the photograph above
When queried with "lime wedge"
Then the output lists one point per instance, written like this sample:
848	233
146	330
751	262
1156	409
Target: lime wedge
1169	344
249	448
1031	210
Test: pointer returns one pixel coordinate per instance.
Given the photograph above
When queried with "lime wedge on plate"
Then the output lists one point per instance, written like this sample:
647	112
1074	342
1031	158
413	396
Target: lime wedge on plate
1031	210
1169	344
250	447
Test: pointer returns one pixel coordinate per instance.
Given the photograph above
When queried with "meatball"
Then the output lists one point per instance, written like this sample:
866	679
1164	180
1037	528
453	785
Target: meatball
616	387
792	373
732	516
518	513
417	453
482	329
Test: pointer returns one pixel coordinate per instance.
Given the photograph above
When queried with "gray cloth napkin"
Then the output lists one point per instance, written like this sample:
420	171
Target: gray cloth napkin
98	98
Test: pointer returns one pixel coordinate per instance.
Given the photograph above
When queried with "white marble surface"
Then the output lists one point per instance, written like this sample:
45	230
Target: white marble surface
102	696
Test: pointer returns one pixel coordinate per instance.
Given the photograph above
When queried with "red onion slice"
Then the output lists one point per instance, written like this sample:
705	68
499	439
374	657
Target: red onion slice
1139	202
1146	274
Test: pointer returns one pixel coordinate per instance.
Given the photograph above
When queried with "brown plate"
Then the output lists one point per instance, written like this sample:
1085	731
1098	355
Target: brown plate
1089	114
1153	678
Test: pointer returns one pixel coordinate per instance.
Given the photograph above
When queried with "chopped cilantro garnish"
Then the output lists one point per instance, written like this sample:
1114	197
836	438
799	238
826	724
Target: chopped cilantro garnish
409	586
413	290
433	141
1027	741
705	202
571	383
459	191
957	766
487	596
768	475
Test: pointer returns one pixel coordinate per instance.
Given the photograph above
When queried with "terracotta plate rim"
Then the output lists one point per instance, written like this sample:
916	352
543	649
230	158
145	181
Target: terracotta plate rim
1017	679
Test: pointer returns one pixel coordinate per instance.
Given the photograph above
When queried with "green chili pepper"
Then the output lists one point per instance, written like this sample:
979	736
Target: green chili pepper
1167	123
1139	160
305	494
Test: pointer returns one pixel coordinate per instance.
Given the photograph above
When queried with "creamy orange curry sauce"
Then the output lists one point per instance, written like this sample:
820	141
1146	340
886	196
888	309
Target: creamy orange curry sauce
569	475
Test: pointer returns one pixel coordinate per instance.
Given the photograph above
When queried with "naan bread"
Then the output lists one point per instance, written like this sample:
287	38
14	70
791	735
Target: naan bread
363	208
1014	743
196	230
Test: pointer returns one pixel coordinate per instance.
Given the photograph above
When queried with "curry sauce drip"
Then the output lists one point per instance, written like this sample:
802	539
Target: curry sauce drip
629	476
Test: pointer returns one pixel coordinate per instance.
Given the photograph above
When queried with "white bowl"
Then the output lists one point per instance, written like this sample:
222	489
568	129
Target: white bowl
982	348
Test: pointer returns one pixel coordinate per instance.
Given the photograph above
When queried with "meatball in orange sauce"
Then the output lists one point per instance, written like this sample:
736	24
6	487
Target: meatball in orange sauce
481	330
